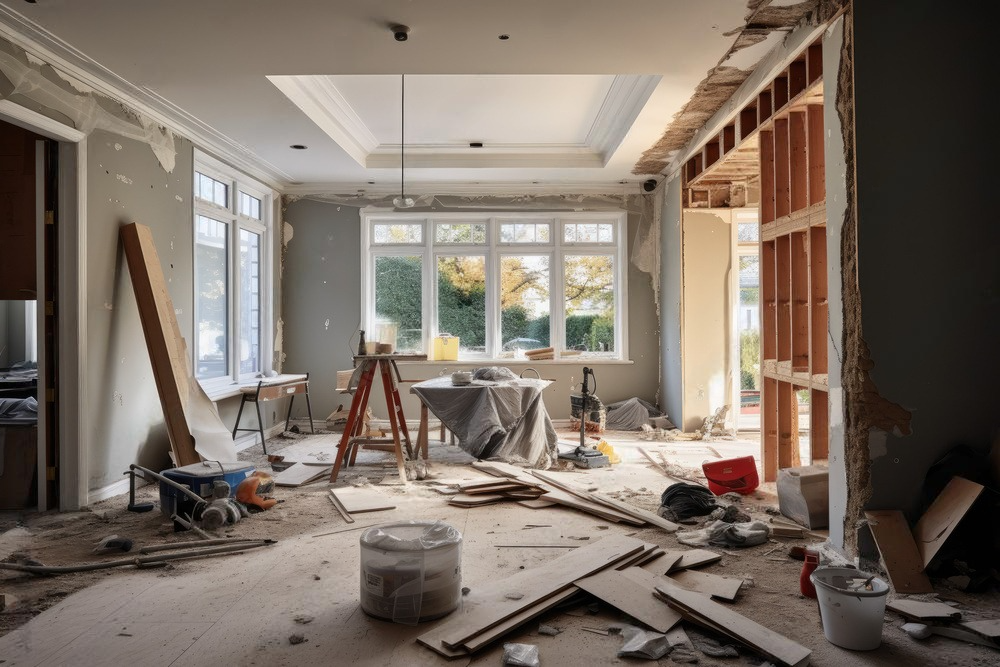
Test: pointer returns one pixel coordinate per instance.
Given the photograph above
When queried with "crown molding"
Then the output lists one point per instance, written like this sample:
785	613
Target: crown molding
24	33
522	156
622	105
323	104
364	190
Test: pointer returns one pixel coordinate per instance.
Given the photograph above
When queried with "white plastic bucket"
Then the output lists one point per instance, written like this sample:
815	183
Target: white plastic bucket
852	613
411	571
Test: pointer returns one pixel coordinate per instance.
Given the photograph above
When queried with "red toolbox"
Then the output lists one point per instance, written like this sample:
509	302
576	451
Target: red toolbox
739	475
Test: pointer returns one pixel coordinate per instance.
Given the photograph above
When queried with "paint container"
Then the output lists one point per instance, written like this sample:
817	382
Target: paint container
851	606
371	347
411	571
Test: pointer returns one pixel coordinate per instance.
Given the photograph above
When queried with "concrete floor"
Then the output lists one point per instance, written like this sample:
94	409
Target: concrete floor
242	609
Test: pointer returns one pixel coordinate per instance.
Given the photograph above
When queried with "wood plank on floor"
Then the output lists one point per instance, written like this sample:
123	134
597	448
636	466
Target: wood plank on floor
725	588
900	554
630	594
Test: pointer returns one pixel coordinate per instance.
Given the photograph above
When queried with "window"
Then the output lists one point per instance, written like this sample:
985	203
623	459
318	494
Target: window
231	280
501	284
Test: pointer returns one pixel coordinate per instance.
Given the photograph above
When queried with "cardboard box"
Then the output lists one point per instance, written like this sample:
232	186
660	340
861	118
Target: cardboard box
18	467
804	496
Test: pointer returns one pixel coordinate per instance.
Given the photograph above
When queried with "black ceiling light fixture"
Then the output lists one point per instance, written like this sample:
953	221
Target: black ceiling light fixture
402	201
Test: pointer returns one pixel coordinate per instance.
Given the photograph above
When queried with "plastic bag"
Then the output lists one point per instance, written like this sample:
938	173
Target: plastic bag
520	655
641	643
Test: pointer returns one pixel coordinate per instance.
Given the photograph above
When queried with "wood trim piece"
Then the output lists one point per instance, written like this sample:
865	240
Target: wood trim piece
898	550
631	591
713	585
941	518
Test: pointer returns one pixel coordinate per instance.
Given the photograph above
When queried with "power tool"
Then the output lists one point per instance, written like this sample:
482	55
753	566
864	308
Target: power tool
586	455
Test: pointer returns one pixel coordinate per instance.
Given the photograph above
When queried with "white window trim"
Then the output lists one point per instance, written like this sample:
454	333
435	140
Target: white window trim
493	249
237	182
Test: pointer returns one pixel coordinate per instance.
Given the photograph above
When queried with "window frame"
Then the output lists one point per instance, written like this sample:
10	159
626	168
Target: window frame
236	222
493	249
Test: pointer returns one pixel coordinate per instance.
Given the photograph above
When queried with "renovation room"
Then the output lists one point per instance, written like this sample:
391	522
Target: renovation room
395	333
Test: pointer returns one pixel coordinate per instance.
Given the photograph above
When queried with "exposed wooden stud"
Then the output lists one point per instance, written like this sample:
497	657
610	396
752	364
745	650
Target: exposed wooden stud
798	168
728	138
769	429
747	121
799	264
784	298
814	62
818	298
712	151
767	204
769	301
816	155
782	201
765	108
780	89
788	426
819	426
796	77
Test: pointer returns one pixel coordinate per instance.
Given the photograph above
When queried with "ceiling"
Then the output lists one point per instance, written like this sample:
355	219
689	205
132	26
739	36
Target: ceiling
569	101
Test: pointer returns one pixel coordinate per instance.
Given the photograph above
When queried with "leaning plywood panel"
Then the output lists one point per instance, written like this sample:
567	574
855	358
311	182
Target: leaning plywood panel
166	348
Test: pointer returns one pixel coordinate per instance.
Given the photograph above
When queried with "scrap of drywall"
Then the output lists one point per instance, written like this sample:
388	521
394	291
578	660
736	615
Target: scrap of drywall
83	109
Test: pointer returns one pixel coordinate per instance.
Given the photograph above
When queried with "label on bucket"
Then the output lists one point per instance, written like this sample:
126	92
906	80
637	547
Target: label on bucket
373	584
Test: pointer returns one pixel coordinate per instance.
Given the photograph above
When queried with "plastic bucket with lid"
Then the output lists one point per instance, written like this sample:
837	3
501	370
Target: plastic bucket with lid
411	571
851	606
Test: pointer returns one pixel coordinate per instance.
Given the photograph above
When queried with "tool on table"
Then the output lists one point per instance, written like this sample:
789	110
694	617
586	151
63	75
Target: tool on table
586	455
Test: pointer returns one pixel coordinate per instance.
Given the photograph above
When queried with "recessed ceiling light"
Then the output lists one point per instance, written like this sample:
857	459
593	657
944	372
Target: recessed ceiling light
298	147
504	37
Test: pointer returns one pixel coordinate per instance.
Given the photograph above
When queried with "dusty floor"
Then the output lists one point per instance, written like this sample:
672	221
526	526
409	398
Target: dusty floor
312	574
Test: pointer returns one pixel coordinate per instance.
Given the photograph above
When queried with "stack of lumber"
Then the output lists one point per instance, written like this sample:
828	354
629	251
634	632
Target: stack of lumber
558	490
489	491
625	573
540	353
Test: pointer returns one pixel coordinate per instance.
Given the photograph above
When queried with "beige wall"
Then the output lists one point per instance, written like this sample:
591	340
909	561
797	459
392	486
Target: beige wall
706	314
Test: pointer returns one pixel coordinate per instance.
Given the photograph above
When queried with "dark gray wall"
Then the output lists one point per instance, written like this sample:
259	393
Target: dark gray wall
928	245
125	184
321	282
321	298
671	286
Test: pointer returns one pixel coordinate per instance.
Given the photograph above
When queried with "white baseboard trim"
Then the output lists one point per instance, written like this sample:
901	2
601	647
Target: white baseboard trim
112	490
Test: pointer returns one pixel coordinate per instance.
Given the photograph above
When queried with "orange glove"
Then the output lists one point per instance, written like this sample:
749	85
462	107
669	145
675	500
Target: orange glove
252	491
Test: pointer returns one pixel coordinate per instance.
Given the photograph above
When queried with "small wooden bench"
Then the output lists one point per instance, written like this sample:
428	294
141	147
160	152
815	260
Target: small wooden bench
270	389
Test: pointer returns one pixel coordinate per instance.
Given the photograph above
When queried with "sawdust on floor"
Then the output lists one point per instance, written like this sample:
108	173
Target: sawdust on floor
771	594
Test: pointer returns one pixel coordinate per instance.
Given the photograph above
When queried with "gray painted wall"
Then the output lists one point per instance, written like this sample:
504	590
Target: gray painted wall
12	325
706	321
321	282
671	287
125	184
928	245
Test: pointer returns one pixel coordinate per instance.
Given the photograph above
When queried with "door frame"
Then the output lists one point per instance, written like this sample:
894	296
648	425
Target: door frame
71	343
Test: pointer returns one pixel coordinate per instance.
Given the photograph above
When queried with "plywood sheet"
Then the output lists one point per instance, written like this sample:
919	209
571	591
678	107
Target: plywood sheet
918	610
899	552
725	588
299	473
357	500
941	518
692	558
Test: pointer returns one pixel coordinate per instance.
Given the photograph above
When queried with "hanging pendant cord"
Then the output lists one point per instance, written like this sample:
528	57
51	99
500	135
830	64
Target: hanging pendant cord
402	136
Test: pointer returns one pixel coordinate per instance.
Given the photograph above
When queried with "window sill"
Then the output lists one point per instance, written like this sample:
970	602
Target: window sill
220	393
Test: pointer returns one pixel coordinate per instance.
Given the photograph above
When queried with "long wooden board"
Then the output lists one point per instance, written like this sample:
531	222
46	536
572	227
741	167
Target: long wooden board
700	609
630	596
634	513
941	518
900	555
473	644
167	351
535	585
725	588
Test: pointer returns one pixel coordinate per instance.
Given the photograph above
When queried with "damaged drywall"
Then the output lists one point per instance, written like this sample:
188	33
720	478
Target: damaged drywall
762	19
35	85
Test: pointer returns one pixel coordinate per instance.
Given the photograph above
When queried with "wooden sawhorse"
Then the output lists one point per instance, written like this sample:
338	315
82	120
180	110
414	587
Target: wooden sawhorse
352	438
270	389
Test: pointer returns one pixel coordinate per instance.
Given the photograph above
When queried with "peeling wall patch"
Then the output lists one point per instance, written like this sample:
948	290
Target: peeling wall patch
179	198
326	324
124	179
118	146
